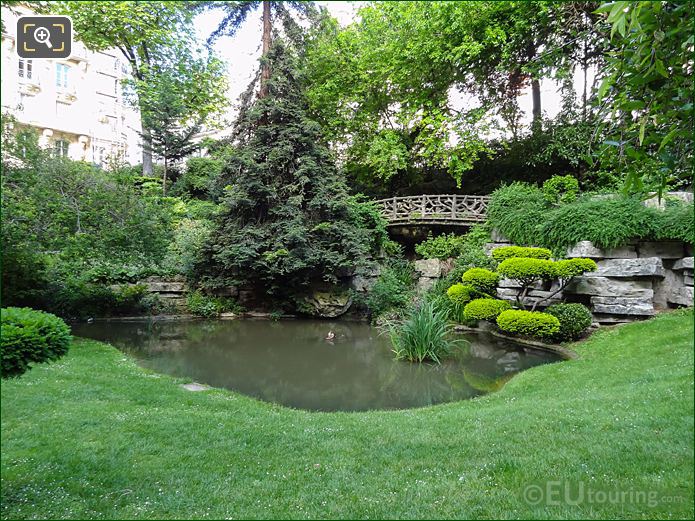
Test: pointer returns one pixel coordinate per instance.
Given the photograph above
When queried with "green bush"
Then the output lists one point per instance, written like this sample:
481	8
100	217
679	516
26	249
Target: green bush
423	335
574	320
461	293
568	268
485	309
607	221
516	210
561	189
482	280
209	307
521	212
676	222
128	299
183	251
527	270
30	337
507	252
441	247
393	289
198	179
75	298
529	323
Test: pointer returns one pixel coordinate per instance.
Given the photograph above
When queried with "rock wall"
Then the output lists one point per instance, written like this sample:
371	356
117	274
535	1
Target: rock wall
171	291
631	283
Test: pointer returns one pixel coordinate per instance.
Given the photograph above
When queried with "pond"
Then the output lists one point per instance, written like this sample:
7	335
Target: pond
292	363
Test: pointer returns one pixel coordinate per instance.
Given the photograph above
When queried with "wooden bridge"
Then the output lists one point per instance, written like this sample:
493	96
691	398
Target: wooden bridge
456	210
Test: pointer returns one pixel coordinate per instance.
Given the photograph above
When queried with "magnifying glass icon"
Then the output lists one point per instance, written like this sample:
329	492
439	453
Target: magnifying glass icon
42	35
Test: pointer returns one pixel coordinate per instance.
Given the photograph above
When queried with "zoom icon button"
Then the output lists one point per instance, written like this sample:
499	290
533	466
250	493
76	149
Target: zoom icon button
44	37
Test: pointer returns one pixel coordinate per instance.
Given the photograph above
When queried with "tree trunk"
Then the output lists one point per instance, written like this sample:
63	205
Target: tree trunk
585	66
147	167
265	68
164	176
536	111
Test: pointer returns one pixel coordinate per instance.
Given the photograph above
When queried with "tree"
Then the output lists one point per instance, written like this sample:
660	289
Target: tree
410	88
178	96
236	13
141	31
646	95
288	221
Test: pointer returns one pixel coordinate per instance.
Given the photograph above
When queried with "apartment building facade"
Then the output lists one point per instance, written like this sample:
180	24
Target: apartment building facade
76	106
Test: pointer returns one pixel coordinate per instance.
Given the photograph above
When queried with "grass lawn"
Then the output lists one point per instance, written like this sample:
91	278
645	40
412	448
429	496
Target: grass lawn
95	436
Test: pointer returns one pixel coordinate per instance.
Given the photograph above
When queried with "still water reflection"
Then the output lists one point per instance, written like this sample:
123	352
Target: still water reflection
292	363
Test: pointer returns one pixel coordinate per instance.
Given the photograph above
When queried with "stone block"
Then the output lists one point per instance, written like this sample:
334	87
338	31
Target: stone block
487	248
588	250
622	306
663	287
228	291
688	278
497	236
682	296
362	284
662	249
327	304
532	296
606	286
428	268
608	319
629	268
683	264
424	284
165	287
584	249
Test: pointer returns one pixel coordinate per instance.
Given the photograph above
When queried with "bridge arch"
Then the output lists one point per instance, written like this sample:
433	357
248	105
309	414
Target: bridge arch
446	210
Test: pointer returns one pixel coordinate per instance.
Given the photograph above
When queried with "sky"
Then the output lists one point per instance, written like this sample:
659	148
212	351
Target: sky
241	54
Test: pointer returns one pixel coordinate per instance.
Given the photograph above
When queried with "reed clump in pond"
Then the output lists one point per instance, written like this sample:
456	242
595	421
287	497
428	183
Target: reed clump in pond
423	334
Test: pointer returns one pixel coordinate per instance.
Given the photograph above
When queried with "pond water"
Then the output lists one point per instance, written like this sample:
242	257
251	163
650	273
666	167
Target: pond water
292	363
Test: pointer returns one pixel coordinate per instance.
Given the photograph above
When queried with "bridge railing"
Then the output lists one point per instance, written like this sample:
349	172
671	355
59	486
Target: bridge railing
434	208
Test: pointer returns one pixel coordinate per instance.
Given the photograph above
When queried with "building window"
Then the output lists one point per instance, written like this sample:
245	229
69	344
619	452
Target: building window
62	75
25	69
62	109
60	148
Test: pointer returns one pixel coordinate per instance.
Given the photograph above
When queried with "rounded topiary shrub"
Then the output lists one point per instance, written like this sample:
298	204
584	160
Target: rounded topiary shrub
529	323
568	268
461	293
484	281
508	252
485	309
525	269
574	319
30	337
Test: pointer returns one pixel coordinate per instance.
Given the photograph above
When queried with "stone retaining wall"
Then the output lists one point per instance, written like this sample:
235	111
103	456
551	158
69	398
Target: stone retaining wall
632	282
171	291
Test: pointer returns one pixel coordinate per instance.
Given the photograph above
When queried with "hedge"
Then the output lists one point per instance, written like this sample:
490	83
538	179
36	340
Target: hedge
529	323
30	337
485	309
527	252
461	293
484	281
574	320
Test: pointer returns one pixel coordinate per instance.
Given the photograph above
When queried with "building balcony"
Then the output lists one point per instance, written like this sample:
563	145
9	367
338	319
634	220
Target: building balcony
30	86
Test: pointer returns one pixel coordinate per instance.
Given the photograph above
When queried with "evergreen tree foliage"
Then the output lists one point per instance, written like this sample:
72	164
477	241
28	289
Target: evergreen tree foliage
289	220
